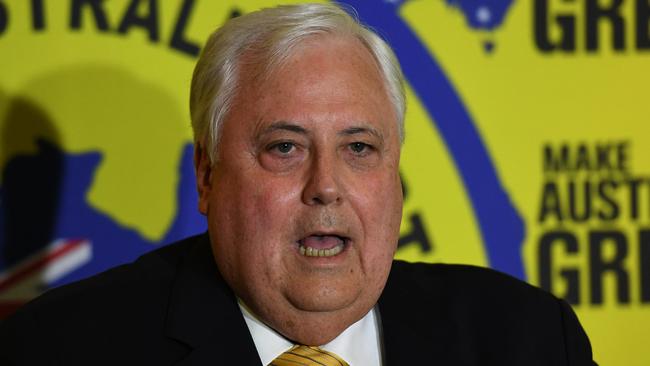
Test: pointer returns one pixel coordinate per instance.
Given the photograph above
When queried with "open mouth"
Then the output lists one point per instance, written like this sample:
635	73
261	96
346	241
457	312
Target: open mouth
322	245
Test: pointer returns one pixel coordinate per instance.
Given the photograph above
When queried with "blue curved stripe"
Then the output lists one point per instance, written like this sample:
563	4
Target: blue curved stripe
502	228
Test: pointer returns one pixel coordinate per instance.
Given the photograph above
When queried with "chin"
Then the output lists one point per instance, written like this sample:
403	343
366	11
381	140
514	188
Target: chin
321	304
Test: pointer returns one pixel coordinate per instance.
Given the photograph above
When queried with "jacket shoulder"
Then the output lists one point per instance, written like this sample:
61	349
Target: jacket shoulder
484	314
150	273
128	301
464	281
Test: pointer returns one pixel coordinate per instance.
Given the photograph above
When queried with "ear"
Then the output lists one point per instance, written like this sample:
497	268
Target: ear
203	171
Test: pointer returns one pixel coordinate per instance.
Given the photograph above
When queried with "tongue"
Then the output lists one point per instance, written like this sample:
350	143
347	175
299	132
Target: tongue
321	242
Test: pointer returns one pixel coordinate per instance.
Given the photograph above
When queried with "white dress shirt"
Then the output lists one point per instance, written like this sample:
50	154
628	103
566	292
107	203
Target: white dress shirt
358	345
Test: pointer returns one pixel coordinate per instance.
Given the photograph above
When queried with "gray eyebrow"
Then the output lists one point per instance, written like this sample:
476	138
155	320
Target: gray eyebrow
292	127
283	126
362	130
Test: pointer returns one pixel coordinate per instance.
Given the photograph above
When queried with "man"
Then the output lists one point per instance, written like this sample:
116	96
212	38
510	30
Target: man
298	119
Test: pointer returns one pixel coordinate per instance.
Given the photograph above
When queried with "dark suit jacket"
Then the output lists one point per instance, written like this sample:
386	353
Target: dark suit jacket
171	307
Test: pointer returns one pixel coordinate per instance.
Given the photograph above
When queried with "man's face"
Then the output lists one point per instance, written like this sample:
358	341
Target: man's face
304	202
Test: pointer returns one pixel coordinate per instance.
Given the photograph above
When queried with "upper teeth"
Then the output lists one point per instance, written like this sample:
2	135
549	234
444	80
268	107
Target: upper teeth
313	252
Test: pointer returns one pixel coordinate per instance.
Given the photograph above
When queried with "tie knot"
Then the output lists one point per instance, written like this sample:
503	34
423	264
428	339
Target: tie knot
300	355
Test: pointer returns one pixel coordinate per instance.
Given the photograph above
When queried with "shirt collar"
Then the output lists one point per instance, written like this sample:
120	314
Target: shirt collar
358	345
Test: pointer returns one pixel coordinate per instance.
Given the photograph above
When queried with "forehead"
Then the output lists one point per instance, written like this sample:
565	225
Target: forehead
326	78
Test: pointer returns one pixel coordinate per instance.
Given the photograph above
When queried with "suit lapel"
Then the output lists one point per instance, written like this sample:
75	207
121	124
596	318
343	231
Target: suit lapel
204	315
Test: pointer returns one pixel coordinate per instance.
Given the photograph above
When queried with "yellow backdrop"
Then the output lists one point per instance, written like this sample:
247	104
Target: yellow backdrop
547	149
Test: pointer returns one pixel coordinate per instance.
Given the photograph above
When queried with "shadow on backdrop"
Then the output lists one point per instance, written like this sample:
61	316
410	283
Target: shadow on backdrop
100	110
30	185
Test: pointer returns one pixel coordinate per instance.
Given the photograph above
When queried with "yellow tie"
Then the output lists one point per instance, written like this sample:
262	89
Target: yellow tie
308	356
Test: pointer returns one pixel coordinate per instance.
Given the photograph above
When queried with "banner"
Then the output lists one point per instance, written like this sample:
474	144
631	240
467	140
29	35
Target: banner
527	142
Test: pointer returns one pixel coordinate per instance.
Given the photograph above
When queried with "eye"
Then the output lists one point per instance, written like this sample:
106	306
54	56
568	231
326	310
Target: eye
282	155
359	147
283	147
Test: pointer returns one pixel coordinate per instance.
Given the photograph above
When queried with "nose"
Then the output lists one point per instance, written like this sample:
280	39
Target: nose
322	185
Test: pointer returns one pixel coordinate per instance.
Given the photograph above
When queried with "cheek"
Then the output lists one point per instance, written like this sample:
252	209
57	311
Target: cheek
381	197
263	210
379	205
252	225
273	203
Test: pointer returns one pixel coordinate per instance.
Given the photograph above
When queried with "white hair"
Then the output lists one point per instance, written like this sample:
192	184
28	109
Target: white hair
272	34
